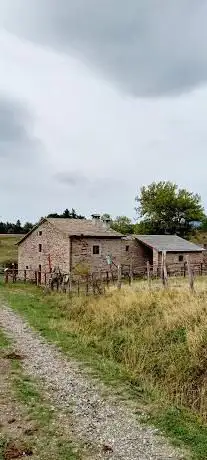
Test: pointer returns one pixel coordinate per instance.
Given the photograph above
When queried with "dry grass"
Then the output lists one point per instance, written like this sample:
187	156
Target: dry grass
160	336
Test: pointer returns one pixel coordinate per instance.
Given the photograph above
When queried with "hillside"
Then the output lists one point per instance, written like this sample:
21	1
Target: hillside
8	248
199	238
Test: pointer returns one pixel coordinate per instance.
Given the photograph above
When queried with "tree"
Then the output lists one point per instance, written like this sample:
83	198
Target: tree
123	225
67	214
164	208
27	227
18	227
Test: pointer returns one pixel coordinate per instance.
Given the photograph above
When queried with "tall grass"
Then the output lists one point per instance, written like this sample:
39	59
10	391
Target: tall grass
160	337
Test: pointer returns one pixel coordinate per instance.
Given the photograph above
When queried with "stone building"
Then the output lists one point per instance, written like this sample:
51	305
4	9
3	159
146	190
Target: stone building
81	245
137	250
69	244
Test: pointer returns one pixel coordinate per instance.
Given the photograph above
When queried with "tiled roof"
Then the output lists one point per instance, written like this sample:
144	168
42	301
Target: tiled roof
169	243
78	227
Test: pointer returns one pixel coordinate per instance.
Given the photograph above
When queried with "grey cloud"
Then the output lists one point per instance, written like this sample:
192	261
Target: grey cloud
148	47
71	178
91	184
16	141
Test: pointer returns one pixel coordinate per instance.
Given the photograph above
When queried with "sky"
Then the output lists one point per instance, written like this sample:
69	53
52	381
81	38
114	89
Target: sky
97	99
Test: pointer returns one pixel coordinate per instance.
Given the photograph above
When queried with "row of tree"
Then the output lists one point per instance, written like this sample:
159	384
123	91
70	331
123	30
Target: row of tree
18	228
162	208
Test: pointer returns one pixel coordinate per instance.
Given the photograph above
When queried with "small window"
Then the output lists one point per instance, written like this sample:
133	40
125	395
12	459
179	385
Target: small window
40	268
96	250
181	258
27	267
40	248
127	248
40	233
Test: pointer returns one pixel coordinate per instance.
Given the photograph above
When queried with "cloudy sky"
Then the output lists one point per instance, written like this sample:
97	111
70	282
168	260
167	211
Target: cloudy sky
97	98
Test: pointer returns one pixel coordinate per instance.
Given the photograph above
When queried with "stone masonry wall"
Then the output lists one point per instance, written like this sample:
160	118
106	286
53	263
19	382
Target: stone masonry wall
53	242
135	253
173	257
82	252
174	265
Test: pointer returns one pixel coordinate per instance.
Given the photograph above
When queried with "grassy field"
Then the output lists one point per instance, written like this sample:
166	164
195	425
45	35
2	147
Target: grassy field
8	249
150	345
29	426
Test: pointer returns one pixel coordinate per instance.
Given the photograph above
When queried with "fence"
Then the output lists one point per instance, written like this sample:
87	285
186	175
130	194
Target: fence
98	282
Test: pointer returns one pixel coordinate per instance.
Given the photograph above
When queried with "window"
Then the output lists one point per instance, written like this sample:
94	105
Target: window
40	248
27	267
181	258
127	248
40	268
40	233
96	250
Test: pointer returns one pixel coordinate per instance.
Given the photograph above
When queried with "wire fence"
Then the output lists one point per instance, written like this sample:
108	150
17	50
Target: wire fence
97	282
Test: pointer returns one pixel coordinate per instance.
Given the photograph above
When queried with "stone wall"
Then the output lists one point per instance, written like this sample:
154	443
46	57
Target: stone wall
54	243
82	253
174	265
135	253
173	257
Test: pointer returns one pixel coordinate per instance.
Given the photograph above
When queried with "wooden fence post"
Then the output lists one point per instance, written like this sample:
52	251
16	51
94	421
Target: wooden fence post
6	276
70	283
148	274
94	283
119	277
107	279
87	286
164	269
190	274
13	273
131	272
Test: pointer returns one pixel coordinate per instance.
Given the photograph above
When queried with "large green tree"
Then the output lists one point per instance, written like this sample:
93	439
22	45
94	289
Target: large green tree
122	224
164	208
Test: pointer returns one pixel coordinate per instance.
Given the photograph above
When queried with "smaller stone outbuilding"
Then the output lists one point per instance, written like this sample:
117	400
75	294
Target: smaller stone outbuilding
137	250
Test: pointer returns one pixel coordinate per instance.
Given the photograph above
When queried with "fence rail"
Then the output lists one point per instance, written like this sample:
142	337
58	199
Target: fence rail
97	282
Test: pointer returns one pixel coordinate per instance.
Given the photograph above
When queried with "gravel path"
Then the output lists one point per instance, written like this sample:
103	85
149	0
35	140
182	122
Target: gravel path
104	422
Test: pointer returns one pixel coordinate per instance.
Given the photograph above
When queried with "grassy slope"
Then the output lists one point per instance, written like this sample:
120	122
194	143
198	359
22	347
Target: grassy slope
8	249
45	439
154	344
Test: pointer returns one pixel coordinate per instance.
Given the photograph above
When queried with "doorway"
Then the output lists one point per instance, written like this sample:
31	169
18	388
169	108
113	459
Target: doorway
40	274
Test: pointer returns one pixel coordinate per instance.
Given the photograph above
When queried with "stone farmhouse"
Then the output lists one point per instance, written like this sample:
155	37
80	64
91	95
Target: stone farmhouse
68	244
142	248
80	244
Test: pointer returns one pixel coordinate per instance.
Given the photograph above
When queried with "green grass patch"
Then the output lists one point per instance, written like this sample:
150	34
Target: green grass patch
4	342
8	249
149	346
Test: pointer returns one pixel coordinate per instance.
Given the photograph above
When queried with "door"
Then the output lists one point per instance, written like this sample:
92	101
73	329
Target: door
40	274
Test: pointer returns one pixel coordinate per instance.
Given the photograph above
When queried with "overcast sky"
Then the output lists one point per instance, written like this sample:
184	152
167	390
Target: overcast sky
97	98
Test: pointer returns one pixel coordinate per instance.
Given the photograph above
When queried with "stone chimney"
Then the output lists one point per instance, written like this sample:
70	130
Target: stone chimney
107	222
96	218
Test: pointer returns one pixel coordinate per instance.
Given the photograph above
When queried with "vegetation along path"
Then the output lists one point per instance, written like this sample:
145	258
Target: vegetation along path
105	423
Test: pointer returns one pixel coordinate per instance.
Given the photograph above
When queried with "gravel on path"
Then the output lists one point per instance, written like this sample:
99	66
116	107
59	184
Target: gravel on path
106	423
